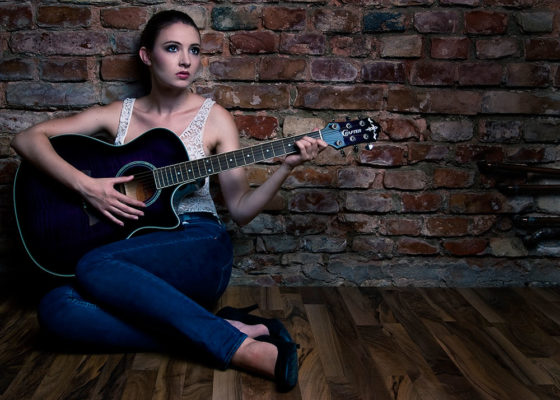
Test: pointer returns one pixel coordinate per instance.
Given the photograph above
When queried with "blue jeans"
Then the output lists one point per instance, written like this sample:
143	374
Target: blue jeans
149	293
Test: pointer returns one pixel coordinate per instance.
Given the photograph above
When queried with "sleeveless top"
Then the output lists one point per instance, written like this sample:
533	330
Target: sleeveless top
199	200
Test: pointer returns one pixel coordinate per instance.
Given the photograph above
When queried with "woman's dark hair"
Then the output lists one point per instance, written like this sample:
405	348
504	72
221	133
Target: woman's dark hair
160	21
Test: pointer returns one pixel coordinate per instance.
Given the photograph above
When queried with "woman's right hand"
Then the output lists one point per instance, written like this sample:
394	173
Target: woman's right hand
101	194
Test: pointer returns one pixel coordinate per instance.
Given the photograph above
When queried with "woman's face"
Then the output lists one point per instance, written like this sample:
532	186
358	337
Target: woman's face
175	59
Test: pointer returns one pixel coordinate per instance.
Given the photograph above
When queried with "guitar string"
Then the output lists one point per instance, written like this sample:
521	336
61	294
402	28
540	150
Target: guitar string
239	160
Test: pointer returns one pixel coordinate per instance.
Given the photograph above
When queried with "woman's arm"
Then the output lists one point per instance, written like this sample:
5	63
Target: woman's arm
242	202
34	145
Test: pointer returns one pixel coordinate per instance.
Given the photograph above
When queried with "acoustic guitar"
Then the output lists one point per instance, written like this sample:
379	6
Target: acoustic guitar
57	227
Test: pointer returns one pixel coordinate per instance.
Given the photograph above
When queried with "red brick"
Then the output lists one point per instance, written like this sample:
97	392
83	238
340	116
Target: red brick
282	68
426	152
16	16
63	16
360	178
61	43
511	3
335	70
44	95
412	246
472	3
16	69
378	247
446	226
453	178
253	43
236	68
423	202
307	176
499	131
488	49
440	101
478	203
450	48
504	102
480	74
400	226
383	156
336	20
466	247
402	46
283	18
303	44
405	179
120	68
531	75
212	43
384	71
452	131
355	97
124	18
470	153
258	127
322	202
486	22
349	46
528	155
64	69
542	49
433	73
249	96
436	21
404	129
369	202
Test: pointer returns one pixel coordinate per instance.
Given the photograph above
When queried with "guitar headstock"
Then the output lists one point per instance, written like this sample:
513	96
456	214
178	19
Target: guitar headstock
351	133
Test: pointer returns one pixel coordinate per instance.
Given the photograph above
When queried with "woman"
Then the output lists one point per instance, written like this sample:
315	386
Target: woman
150	292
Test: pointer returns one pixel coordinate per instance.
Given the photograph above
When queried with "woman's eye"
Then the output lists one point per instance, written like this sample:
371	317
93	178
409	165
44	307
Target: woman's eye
172	48
195	50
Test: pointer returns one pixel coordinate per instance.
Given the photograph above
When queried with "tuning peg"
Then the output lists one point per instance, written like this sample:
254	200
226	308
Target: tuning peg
369	146
347	118
342	153
356	149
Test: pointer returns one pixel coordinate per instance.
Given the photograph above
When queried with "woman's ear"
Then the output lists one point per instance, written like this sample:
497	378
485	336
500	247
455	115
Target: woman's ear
145	56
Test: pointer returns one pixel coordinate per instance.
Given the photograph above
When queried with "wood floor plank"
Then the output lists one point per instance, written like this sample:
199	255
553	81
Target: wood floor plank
363	377
312	383
486	375
139	384
227	385
361	309
355	343
444	378
170	380
111	381
56	383
325	339
198	382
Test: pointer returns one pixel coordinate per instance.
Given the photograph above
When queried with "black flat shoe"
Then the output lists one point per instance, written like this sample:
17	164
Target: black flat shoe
286	367
275	327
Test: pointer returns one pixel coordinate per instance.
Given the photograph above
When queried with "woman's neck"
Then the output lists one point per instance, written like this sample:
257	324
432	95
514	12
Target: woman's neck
167	102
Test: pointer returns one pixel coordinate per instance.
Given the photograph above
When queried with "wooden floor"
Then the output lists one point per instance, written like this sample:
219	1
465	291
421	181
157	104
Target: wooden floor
356	343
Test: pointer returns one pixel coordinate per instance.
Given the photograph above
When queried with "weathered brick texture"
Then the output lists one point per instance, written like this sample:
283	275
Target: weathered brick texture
451	82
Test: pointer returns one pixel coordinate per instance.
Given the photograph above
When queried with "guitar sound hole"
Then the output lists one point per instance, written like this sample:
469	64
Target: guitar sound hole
142	187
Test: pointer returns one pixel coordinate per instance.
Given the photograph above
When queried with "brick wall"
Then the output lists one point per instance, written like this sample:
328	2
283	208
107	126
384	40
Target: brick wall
452	82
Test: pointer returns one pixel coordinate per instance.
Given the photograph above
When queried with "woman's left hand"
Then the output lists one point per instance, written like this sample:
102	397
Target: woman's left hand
308	149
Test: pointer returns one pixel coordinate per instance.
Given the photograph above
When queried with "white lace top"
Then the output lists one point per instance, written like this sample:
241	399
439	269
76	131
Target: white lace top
200	200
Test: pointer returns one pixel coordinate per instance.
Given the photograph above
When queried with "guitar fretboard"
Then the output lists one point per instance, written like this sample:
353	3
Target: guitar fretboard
193	170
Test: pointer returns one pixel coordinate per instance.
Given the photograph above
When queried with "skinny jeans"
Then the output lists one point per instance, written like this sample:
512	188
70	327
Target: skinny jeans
149	293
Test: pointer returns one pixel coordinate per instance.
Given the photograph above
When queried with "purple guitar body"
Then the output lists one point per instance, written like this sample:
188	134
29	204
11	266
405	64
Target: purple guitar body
57	227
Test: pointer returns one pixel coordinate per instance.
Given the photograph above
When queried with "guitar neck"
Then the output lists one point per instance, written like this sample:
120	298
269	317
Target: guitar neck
193	170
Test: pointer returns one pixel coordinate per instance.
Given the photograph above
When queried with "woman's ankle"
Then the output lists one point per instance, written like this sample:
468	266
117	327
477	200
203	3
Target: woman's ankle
255	356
